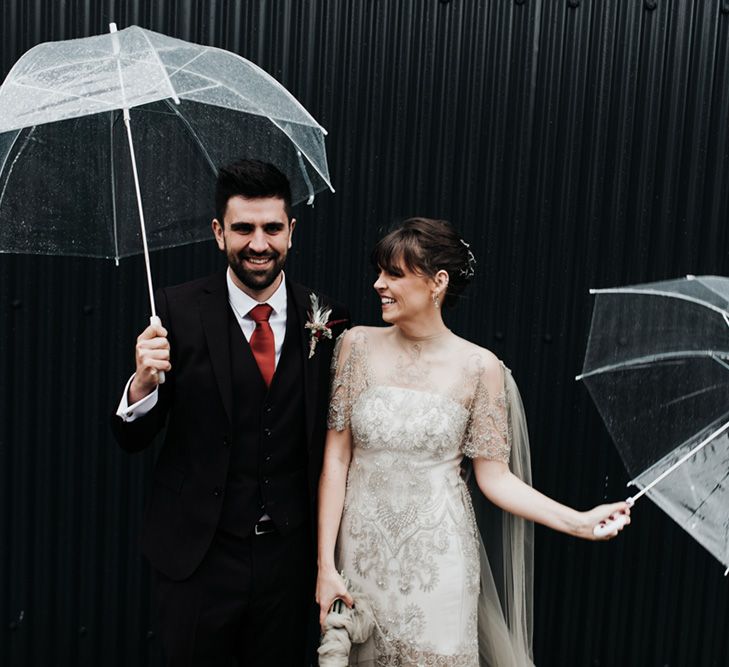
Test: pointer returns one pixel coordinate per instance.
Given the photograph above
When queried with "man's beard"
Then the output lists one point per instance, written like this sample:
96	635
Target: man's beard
256	280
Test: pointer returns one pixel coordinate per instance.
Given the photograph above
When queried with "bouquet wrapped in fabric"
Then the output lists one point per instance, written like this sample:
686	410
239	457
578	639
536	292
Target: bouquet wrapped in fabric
343	627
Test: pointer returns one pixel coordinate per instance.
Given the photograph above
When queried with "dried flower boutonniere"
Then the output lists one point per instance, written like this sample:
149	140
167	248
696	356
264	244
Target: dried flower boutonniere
319	323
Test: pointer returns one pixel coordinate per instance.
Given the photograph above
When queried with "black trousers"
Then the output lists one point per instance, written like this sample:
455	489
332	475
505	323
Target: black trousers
248	604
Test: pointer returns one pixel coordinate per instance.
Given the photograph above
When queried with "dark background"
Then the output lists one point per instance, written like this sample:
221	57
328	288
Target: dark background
575	144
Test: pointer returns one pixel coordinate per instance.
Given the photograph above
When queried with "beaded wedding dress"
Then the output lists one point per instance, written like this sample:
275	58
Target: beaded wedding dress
408	536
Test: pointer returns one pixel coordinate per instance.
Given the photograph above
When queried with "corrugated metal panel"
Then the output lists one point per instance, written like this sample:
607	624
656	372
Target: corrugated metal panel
575	143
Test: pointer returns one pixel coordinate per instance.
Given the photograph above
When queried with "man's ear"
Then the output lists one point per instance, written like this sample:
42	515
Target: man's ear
218	231
292	224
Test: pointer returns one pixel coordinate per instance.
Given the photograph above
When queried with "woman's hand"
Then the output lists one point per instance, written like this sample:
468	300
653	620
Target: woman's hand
600	516
329	587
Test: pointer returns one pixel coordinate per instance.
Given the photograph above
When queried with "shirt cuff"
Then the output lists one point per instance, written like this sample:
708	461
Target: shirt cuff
129	413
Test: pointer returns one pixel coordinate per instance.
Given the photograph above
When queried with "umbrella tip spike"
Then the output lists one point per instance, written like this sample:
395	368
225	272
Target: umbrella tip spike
112	27
726	571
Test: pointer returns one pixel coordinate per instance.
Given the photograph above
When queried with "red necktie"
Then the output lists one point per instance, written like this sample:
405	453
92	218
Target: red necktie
262	343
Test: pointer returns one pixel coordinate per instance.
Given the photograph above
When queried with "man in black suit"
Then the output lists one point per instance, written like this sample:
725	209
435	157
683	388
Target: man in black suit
230	524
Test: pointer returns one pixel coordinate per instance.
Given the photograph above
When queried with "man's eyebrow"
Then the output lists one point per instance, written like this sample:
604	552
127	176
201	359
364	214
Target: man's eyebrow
270	222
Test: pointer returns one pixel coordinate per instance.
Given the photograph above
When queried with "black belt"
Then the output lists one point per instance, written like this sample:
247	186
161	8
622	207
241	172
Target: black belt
264	527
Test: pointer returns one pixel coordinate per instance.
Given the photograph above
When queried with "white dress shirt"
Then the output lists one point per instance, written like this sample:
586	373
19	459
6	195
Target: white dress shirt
241	304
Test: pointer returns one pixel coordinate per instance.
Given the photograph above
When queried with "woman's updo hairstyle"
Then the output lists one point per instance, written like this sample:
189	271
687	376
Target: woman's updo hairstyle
426	246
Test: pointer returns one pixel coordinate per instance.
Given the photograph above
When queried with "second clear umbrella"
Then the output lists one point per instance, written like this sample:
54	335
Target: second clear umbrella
657	367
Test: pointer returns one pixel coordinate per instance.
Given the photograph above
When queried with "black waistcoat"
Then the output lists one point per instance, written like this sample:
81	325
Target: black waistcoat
268	458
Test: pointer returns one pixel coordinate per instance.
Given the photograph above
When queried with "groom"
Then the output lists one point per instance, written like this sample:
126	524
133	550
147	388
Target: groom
230	524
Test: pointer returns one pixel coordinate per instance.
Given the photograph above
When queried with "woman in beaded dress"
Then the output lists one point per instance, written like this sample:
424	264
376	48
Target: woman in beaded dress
408	403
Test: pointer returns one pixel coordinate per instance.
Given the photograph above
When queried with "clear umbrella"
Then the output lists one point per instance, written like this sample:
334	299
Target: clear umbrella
657	367
67	109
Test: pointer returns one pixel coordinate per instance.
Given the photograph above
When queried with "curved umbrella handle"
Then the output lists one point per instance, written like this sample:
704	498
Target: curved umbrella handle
156	322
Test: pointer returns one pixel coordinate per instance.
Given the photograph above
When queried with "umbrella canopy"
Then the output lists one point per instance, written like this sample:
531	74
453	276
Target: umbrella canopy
657	367
66	180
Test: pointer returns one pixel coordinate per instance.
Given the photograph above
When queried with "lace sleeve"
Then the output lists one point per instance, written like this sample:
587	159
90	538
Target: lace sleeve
487	432
349	378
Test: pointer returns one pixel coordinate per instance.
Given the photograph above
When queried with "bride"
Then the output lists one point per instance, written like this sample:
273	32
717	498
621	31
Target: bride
409	402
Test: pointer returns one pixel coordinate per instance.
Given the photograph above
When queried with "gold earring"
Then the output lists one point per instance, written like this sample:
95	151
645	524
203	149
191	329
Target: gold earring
436	301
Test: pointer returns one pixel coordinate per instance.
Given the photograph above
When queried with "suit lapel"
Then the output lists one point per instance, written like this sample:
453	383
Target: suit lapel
214	316
300	300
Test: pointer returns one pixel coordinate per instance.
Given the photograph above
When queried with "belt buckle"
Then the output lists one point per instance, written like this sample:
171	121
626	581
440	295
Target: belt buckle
268	527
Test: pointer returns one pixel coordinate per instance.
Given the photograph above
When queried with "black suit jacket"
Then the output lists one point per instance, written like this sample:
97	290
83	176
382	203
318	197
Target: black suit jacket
196	404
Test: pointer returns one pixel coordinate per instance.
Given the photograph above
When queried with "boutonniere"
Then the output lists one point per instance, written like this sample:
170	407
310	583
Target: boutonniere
319	323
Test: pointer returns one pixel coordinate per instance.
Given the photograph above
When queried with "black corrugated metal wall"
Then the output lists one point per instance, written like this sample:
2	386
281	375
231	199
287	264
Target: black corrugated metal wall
576	143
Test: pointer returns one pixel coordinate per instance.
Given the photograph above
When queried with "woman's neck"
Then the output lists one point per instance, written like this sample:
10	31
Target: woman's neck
423	329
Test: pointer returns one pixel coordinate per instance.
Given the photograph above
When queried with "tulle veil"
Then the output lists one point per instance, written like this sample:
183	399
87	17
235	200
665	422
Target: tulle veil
505	608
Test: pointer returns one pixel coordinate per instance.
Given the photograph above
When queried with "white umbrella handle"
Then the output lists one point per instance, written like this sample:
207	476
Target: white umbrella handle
156	322
609	527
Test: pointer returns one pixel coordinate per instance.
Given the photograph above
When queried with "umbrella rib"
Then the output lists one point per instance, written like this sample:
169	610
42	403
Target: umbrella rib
127	58
694	394
281	88
62	65
212	86
5	161
112	122
228	88
708	495
197	139
640	361
708	287
678	463
303	152
670	295
63	93
161	66
258	110
307	180
17	156
187	92
192	60
183	94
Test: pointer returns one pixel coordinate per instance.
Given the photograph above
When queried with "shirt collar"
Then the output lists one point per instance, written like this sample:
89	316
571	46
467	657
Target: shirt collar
242	303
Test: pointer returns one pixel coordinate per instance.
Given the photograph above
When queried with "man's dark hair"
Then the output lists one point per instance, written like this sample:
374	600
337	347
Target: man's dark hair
252	179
